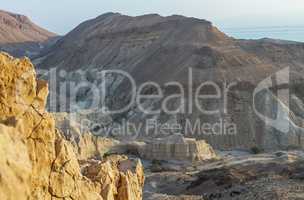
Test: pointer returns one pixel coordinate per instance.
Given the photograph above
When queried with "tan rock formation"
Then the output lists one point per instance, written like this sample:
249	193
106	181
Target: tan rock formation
36	162
176	147
86	145
15	166
117	177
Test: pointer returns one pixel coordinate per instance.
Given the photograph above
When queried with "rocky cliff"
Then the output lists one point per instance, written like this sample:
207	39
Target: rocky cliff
164	49
36	162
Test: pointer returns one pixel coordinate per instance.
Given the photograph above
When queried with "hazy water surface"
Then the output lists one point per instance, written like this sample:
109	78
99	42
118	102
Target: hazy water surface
293	33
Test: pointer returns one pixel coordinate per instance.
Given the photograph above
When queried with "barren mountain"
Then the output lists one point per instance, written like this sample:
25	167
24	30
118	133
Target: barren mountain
163	49
15	28
20	36
116	41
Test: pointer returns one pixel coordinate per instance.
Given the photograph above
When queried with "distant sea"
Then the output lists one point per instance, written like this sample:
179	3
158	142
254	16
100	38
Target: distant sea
293	33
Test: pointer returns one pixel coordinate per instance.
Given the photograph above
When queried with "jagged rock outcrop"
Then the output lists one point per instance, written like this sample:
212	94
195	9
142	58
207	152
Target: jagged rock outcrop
174	147
117	177
86	145
36	162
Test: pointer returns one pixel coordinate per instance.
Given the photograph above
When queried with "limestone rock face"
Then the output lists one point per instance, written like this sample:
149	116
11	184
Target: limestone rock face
36	162
21	107
85	144
176	147
15	166
118	177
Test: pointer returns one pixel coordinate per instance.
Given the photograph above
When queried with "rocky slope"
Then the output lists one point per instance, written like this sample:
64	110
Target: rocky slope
20	36
117	41
238	175
36	162
163	49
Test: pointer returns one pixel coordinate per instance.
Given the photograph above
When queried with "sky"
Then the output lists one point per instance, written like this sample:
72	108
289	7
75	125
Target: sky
232	16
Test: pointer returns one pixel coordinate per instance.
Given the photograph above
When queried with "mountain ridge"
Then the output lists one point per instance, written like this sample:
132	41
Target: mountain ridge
143	30
17	28
164	49
19	36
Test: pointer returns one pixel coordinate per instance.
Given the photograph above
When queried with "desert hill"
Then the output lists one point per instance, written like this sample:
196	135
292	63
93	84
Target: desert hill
15	28
163	49
20	36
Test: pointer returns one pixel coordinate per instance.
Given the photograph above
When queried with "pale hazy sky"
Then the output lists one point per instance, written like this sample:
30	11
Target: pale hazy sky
61	16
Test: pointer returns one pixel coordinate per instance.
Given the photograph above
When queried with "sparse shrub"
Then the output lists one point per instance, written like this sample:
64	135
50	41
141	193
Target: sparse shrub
107	154
256	150
156	166
156	162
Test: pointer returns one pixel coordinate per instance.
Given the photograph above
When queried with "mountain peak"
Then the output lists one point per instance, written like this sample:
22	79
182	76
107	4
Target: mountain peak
18	18
132	36
17	28
108	14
